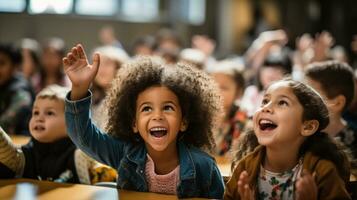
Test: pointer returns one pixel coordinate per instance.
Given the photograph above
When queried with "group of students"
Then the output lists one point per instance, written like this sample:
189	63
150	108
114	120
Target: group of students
160	133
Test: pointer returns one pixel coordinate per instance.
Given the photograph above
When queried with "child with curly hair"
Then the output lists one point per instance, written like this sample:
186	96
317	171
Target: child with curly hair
160	125
293	158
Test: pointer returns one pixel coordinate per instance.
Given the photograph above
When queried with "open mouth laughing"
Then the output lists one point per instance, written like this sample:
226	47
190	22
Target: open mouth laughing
158	132
267	125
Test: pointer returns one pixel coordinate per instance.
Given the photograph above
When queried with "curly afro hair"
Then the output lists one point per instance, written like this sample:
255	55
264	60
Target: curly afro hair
197	93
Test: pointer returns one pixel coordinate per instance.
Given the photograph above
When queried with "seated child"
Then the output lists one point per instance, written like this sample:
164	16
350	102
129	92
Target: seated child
294	159
112	59
50	154
160	122
16	94
231	85
274	68
335	82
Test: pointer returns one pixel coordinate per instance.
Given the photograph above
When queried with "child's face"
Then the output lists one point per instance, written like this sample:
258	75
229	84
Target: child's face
47	123
278	122
143	50
228	89
270	74
51	60
158	118
6	68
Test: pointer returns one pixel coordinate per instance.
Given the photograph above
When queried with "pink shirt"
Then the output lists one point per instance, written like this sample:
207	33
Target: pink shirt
166	183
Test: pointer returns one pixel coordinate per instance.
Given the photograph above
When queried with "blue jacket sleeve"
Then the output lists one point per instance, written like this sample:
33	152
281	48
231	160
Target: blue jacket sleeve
217	185
89	138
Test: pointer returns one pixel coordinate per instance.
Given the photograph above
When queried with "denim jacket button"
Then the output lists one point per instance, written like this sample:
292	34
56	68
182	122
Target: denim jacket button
141	171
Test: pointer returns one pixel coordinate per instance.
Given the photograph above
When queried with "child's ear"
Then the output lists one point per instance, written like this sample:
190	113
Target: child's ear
310	127
135	128
338	103
184	125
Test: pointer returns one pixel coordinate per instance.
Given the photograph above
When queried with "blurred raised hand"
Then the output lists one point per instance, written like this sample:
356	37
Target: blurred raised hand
79	71
203	43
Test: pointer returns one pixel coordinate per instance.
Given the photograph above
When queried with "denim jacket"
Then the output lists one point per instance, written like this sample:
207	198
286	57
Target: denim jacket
199	175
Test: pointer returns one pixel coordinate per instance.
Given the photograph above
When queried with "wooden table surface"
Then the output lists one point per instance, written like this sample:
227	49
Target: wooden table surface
59	191
224	166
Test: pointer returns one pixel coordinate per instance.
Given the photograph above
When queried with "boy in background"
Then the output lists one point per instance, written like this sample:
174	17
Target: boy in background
336	84
50	154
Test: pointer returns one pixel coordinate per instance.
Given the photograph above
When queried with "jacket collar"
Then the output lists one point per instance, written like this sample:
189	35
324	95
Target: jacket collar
254	164
137	154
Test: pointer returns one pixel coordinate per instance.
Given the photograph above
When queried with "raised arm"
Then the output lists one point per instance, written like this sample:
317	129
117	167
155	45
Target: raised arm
80	128
79	71
10	155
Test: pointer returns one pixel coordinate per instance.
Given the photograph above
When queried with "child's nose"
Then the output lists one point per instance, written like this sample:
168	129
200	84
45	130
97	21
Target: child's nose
39	117
267	108
158	115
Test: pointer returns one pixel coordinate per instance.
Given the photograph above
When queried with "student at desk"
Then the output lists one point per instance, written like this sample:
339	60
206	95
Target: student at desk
160	119
50	154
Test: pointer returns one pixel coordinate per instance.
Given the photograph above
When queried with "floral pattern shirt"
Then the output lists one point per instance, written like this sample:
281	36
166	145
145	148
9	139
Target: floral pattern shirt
276	186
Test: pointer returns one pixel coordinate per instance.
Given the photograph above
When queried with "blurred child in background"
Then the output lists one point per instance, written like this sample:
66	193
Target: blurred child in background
112	59
16	94
335	82
274	67
231	84
30	50
51	71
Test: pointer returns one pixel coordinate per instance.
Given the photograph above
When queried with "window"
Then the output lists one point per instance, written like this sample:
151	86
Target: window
140	10
196	12
12	6
50	6
96	7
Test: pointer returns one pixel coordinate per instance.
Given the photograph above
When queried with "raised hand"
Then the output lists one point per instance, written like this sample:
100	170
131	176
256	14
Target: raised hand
244	190
79	71
306	187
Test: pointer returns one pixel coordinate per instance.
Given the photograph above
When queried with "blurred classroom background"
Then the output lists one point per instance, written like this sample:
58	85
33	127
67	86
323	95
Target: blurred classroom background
233	24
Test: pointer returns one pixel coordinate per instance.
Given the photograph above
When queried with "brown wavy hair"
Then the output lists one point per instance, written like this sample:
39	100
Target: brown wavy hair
196	91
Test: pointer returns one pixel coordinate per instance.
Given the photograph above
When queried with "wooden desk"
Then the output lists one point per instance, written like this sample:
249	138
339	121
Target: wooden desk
224	166
20	139
59	191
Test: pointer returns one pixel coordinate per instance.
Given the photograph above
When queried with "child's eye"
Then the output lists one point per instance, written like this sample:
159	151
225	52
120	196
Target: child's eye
264	102
146	109
50	113
169	107
35	112
283	103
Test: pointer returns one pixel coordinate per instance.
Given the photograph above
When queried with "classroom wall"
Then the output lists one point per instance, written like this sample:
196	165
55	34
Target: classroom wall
72	29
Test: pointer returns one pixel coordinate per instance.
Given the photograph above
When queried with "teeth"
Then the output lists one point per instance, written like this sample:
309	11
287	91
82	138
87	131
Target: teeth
39	128
158	129
264	121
